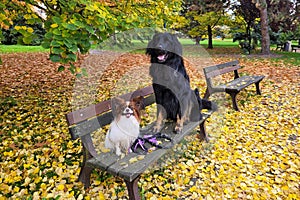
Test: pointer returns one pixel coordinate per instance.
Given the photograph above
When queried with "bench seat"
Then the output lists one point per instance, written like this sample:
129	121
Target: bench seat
130	171
232	87
239	84
295	47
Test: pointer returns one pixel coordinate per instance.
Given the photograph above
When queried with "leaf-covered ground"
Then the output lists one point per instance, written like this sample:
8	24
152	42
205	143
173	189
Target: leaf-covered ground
252	154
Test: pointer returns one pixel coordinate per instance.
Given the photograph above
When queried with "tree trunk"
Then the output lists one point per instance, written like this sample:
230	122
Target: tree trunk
265	37
197	40
209	32
248	46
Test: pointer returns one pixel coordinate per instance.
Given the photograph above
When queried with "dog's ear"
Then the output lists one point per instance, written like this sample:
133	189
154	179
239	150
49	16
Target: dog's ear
139	102
149	49
177	47
116	104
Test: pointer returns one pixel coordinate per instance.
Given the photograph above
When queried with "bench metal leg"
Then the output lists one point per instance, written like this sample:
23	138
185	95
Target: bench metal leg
257	88
234	103
133	190
202	134
207	94
85	171
84	176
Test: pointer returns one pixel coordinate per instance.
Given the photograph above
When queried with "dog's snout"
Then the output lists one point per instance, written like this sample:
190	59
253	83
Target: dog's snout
127	110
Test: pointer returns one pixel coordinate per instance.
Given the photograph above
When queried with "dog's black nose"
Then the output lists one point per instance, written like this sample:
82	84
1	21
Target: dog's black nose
127	110
160	47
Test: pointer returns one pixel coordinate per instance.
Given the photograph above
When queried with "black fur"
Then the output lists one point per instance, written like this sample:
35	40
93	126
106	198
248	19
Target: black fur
171	82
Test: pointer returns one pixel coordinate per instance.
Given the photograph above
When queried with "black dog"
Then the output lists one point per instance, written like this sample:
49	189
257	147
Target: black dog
175	98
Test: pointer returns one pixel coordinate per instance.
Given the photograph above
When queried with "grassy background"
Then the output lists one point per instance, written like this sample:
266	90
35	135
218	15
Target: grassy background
139	48
21	49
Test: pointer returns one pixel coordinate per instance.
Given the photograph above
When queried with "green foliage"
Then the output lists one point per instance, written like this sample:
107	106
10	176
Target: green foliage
12	36
202	17
71	26
247	41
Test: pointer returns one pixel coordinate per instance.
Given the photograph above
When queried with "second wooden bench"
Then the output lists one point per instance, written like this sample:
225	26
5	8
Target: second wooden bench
232	87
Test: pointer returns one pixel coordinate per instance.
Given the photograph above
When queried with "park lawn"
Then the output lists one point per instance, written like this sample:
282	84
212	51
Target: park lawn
21	48
253	154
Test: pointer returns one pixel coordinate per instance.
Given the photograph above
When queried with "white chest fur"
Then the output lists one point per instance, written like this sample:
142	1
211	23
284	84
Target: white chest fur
122	134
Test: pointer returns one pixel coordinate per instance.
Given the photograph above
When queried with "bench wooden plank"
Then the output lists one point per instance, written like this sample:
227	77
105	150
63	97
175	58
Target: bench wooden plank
295	47
241	83
91	125
220	69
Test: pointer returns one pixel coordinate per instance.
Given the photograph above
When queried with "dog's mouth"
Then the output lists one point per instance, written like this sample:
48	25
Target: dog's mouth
128	113
162	57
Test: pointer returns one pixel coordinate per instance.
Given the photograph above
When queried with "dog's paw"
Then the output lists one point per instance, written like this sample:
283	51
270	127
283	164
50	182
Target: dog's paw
178	129
156	128
214	106
118	151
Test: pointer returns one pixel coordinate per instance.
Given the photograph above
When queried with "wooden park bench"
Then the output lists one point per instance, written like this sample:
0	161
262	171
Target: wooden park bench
280	46
295	47
232	87
82	123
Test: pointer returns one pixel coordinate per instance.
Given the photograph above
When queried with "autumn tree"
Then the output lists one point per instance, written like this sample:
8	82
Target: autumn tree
246	14
284	15
277	17
264	24
202	17
72	26
284	20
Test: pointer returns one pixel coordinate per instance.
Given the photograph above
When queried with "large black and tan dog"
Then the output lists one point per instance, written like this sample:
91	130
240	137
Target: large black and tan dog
174	97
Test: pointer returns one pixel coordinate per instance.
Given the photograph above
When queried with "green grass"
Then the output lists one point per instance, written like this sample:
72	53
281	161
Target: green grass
216	42
21	49
291	57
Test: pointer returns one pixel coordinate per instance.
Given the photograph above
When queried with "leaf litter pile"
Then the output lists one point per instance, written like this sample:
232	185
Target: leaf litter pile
252	154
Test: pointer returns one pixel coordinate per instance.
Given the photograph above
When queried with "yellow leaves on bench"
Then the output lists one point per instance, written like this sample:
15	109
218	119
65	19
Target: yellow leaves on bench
136	158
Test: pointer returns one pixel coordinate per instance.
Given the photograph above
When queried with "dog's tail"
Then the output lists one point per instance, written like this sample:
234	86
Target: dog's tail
203	103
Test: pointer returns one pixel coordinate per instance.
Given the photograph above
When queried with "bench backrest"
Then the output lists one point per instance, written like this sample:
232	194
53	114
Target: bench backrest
86	120
216	70
213	71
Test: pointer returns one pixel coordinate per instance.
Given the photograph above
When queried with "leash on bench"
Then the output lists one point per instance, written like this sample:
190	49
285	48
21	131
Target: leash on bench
150	139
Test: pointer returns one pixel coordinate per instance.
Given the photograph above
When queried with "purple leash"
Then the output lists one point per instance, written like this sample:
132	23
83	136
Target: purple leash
151	139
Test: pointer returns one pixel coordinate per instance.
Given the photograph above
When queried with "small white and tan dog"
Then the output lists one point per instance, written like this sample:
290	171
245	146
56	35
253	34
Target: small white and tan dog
125	128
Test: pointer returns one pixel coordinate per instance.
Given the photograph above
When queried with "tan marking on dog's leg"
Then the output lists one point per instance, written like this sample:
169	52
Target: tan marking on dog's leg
179	124
186	116
159	122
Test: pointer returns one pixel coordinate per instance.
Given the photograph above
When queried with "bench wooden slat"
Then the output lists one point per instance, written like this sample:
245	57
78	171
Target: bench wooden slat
136	168
295	47
88	112
220	69
91	125
241	83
